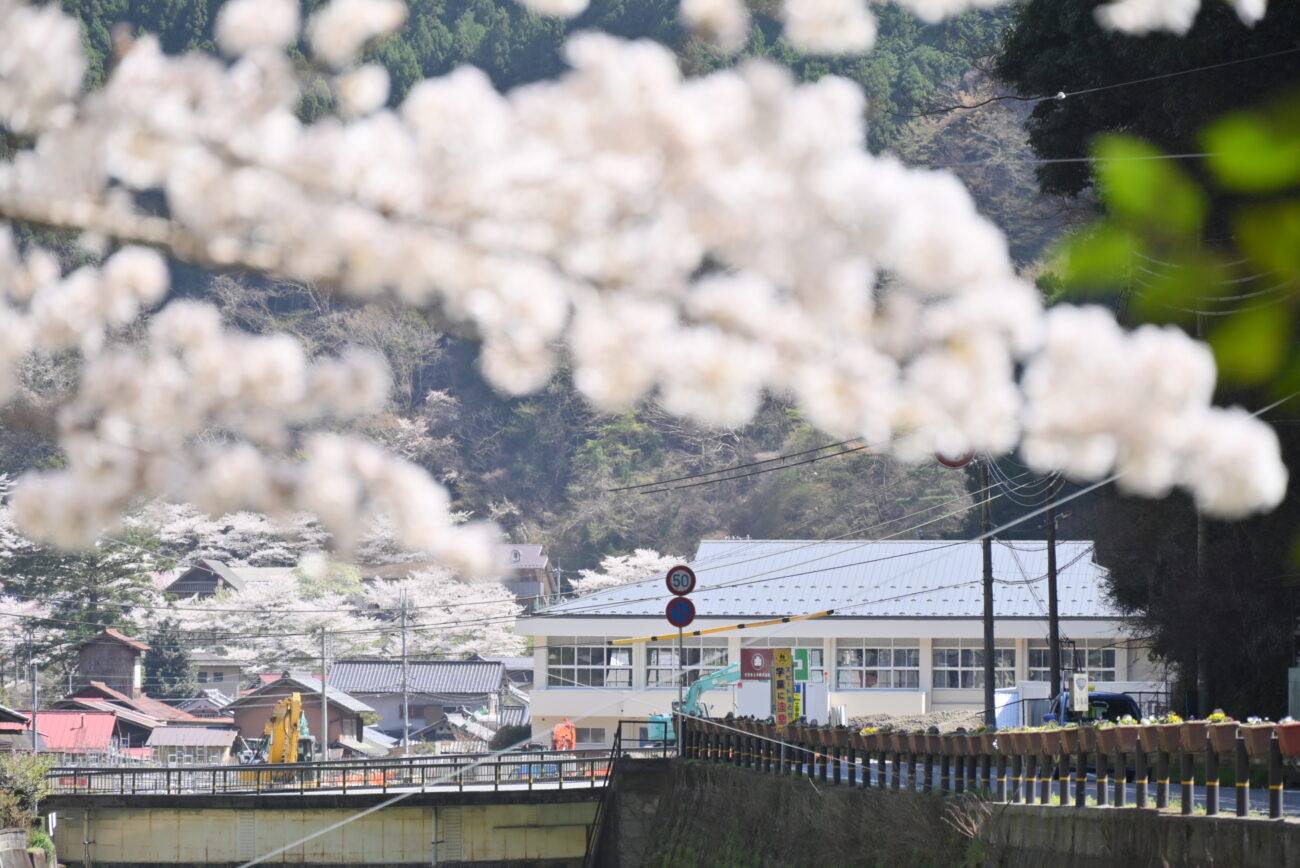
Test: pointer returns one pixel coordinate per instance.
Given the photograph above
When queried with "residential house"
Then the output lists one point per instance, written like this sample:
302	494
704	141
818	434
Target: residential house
133	727
434	687
192	745
904	634
519	670
527	573
345	737
209	703
78	737
15	731
218	672
113	659
208	577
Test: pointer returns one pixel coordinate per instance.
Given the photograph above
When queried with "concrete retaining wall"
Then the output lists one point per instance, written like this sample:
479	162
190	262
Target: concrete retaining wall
1027	836
680	813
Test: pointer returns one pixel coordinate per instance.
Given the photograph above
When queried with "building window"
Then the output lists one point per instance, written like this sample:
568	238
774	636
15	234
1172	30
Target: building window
877	663
590	734
218	676
203	678
699	658
574	661
960	664
1095	656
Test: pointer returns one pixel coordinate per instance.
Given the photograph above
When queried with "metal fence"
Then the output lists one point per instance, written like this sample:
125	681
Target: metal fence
491	771
524	770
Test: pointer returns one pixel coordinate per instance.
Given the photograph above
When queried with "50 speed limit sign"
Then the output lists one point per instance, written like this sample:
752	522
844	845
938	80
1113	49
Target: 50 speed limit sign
680	580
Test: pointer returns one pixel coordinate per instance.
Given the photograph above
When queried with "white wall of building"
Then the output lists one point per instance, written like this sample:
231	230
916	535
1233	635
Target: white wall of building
603	707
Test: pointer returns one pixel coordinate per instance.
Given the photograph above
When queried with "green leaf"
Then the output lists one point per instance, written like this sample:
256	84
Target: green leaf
1139	185
1270	234
1101	255
1250	346
1250	154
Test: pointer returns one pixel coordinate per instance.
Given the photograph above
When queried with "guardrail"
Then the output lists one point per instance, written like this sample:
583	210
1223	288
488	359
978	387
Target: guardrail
1020	767
524	770
509	770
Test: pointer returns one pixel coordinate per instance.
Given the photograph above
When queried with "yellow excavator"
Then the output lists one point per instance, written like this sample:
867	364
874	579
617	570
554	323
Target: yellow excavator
284	729
282	733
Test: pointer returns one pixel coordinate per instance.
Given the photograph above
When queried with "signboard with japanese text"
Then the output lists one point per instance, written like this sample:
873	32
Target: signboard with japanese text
783	689
755	664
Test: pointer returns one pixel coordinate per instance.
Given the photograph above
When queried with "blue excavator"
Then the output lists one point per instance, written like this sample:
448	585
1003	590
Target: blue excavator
661	725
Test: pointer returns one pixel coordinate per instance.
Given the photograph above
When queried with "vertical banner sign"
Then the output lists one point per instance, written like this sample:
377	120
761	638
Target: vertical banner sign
801	664
783	693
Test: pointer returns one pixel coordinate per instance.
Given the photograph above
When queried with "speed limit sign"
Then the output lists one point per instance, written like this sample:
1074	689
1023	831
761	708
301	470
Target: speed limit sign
680	580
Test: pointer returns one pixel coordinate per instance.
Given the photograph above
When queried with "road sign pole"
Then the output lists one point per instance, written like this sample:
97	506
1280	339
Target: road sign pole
681	678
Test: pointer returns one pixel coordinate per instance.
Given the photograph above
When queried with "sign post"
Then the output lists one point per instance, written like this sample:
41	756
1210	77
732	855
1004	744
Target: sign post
680	612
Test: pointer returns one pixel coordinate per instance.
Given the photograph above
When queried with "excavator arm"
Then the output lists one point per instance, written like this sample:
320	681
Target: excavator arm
282	730
712	681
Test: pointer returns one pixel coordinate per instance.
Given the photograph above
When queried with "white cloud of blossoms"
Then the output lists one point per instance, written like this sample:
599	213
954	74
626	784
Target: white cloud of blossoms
567	221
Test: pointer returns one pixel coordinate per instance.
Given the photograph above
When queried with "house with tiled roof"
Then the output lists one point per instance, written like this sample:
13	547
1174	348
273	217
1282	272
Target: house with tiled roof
903	635
252	710
433	687
208	577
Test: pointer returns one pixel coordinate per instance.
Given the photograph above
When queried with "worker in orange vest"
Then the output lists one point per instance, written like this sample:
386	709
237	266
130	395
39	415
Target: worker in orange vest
564	736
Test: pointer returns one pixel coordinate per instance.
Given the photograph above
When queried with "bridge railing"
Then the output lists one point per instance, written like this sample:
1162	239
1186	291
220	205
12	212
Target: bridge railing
522	770
510	769
1073	767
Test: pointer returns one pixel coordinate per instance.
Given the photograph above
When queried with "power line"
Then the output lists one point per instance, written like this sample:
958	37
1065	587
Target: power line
1064	94
733	467
762	470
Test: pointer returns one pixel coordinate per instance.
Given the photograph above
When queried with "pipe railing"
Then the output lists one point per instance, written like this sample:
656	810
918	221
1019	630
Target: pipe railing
1059	766
508	769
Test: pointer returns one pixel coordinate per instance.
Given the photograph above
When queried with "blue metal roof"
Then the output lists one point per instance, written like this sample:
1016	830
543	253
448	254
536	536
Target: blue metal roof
867	579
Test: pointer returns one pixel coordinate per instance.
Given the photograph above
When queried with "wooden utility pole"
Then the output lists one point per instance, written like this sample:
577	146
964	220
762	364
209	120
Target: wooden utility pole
986	526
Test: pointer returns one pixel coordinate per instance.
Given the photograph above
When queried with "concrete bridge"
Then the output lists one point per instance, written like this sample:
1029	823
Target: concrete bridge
535	808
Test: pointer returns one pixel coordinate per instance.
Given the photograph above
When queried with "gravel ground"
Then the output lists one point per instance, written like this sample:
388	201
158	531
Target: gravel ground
947	721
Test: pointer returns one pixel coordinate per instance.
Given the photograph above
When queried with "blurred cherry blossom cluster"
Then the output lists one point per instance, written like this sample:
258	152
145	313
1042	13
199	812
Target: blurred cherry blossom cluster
697	240
848	27
1176	16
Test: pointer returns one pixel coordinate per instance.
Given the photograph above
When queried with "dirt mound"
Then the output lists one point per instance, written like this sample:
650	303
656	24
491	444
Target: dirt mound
947	721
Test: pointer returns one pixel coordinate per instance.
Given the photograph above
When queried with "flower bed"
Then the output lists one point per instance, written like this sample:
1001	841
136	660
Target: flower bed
1258	738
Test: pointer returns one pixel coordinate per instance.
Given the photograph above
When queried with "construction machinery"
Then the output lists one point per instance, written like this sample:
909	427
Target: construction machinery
691	705
282	734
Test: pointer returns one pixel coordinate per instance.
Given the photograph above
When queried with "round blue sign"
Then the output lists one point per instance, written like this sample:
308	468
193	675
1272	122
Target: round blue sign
680	612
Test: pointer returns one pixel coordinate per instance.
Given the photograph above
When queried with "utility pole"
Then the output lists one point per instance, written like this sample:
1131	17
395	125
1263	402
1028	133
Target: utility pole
31	663
986	525
406	687
1053	615
324	702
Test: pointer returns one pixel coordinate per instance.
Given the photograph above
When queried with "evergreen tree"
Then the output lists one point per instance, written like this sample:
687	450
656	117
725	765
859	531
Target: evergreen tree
169	672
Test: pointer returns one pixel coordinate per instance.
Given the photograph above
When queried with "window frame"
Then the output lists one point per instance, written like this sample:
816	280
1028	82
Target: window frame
892	647
969	666
577	655
1079	651
664	675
